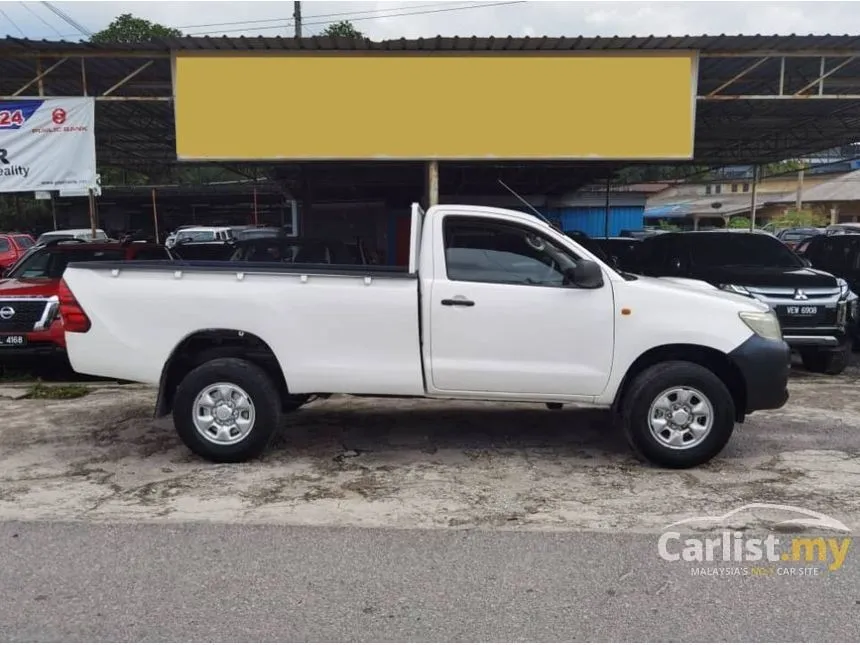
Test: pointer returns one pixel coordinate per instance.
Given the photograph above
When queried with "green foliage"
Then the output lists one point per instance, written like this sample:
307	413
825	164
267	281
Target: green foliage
739	222
793	218
664	225
23	213
127	28
781	167
343	28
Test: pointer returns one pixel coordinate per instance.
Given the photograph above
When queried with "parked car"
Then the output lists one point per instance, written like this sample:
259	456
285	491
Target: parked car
170	240
619	250
846	228
201	235
82	234
494	304
242	233
29	320
791	237
12	247
817	311
300	251
836	254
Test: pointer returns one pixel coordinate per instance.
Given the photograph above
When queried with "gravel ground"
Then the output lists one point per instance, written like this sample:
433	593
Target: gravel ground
421	464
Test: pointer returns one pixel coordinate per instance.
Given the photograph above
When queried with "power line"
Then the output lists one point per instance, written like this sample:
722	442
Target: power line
12	22
319	15
42	20
390	15
68	19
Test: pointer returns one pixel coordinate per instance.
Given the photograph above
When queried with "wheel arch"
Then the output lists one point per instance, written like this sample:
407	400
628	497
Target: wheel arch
712	359
207	344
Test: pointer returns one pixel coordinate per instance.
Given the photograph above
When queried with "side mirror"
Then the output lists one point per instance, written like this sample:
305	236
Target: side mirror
585	275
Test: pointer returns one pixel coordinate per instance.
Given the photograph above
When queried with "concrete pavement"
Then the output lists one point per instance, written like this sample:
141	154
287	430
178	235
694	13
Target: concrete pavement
217	582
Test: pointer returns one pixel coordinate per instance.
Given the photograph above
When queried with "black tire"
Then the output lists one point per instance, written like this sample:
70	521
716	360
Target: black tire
647	386
826	361
264	396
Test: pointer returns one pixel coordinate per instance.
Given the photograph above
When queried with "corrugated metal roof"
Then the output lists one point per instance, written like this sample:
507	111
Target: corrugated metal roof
841	189
703	43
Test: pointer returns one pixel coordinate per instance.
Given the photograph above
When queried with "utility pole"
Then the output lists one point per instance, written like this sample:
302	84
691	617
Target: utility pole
297	18
798	205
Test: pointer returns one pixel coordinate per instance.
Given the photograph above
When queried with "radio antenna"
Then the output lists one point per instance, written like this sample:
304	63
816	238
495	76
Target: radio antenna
517	195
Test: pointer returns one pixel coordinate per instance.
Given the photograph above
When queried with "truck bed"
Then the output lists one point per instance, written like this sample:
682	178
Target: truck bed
320	321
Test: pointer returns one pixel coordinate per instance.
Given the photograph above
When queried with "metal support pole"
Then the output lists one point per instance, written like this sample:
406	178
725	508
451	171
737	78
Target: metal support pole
821	76
92	201
432	183
41	84
752	198
297	18
781	75
84	76
256	218
606	212
53	211
155	217
798	206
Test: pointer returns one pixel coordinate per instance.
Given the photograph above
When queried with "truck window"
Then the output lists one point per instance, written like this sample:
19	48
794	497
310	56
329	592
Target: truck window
481	251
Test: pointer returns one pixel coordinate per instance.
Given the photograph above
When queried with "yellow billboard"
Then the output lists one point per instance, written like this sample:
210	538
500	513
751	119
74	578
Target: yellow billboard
251	106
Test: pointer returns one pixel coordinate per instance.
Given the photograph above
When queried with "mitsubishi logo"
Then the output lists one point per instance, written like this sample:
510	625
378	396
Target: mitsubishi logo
6	313
800	295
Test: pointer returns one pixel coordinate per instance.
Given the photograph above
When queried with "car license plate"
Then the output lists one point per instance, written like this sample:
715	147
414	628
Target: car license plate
797	310
13	341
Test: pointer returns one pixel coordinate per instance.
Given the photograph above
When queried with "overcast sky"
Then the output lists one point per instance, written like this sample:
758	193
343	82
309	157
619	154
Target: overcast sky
378	20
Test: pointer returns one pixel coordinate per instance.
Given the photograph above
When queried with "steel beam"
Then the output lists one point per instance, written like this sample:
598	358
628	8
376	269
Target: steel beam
39	76
784	97
127	78
738	76
823	75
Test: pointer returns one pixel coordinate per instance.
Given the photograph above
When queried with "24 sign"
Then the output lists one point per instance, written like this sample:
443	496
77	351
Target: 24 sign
11	118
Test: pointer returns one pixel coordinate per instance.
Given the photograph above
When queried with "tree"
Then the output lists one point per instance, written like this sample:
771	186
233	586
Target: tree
126	28
741	221
343	28
793	218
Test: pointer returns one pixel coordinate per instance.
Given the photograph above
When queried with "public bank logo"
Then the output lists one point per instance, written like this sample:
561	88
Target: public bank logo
715	545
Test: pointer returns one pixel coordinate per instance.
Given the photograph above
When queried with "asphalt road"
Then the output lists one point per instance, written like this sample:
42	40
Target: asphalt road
215	582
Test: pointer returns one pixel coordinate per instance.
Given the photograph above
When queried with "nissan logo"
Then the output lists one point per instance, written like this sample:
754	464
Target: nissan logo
6	313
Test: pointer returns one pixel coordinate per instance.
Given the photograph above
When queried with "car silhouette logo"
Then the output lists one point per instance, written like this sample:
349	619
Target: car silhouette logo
6	313
800	295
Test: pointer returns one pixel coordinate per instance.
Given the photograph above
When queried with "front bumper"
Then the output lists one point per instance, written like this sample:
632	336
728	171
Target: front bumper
764	365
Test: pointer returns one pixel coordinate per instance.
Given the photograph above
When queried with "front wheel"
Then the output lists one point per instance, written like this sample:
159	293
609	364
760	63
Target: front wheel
226	410
677	415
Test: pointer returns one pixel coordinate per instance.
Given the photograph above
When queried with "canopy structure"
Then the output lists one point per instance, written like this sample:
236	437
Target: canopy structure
758	99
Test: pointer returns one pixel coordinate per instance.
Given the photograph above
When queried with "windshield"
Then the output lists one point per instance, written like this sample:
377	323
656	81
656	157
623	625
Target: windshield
23	241
51	265
740	249
196	236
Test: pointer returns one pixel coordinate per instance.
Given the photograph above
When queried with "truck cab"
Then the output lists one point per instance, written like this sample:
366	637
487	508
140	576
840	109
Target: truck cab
494	305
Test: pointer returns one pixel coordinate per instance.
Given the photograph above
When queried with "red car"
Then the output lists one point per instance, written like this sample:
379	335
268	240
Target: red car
12	247
29	320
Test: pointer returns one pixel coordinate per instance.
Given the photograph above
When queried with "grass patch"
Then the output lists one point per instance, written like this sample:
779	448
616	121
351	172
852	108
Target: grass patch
56	392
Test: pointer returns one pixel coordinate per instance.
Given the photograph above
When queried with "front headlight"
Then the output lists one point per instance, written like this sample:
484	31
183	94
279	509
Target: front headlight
734	288
765	324
844	289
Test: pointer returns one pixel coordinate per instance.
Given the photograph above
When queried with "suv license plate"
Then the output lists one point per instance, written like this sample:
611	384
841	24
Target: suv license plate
792	310
13	341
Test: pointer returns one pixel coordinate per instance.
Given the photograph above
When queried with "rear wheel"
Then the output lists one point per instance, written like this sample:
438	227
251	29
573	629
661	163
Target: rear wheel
677	415
830	362
226	410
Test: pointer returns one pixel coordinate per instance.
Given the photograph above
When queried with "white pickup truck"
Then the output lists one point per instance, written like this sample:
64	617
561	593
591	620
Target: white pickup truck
494	305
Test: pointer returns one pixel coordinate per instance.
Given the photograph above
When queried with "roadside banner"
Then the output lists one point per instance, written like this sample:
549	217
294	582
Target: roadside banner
47	144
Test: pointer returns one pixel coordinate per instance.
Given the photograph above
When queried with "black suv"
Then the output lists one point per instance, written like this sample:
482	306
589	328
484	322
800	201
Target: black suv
817	311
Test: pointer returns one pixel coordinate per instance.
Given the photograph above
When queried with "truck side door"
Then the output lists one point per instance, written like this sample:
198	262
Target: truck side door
502	318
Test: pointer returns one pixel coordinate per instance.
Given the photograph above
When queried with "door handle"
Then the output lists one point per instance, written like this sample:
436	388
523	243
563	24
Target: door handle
459	302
